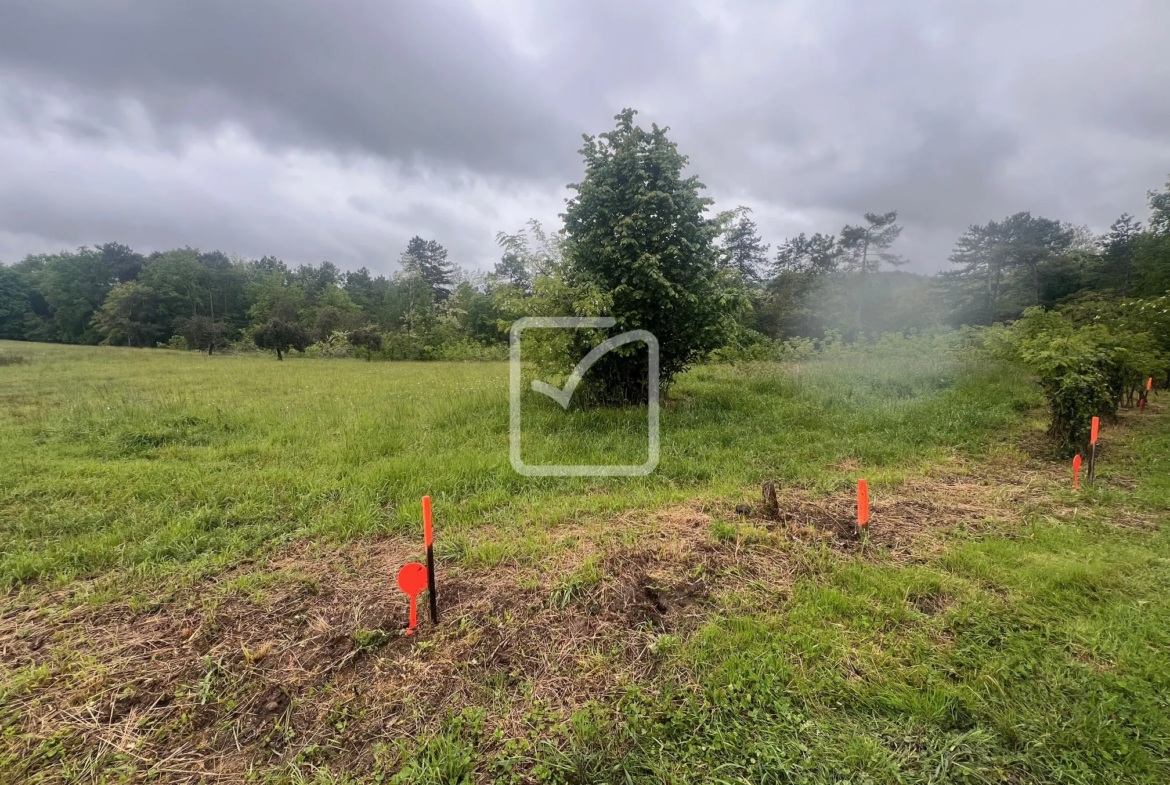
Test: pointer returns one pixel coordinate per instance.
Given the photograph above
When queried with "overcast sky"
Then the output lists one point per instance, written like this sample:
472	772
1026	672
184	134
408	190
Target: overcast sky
337	130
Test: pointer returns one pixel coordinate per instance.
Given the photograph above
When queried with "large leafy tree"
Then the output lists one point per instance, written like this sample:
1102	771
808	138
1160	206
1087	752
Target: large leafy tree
1152	249
816	255
637	231
175	277
74	286
1160	210
224	286
801	271
16	309
129	315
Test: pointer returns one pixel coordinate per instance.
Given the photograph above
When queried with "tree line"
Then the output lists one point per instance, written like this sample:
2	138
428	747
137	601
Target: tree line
638	242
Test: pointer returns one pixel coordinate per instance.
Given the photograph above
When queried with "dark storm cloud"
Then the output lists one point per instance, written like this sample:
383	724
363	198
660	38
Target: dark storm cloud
399	78
337	130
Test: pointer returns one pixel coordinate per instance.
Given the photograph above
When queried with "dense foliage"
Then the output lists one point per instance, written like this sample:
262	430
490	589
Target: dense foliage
637	231
1090	358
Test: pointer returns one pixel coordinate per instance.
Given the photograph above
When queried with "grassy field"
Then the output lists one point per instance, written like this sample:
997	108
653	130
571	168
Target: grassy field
197	557
161	457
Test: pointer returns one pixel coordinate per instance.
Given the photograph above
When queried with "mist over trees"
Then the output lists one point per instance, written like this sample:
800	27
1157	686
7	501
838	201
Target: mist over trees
640	242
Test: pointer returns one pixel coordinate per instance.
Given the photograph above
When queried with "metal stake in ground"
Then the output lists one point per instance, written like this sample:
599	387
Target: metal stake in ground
429	538
1093	450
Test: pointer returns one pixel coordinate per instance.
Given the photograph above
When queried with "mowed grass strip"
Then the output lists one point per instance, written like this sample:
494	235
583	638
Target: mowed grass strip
119	458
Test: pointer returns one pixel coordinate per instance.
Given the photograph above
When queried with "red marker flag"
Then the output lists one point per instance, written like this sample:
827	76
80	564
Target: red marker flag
1096	427
862	504
1076	471
412	579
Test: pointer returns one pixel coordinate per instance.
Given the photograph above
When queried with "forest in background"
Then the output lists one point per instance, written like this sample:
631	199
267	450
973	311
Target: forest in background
843	285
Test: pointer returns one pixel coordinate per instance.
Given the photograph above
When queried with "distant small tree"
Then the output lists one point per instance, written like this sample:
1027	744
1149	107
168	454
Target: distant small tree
816	255
201	332
741	247
511	270
529	253
279	336
1033	240
866	248
1160	210
1120	248
368	338
428	260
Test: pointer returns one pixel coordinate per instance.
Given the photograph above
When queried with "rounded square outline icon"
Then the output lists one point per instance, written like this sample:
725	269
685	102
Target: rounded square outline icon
514	393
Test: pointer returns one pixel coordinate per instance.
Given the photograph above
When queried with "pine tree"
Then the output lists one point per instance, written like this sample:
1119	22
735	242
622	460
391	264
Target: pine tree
866	248
1120	249
428	260
743	250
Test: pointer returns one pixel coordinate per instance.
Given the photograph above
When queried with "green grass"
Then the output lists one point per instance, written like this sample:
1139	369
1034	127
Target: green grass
1040	658
119	459
1049	667
1036	655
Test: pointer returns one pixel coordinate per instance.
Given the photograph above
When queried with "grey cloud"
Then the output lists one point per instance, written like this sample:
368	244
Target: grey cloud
462	117
400	78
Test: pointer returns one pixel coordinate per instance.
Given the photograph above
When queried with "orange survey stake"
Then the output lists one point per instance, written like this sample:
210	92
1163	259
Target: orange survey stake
428	531
1096	427
1076	471
412	579
862	503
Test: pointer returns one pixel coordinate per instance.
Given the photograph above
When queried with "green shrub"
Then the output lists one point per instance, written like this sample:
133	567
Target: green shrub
1085	371
337	345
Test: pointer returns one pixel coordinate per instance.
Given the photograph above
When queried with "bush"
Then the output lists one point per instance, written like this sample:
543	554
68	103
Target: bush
402	346
748	346
202	332
336	345
1085	371
467	349
366	340
279	336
